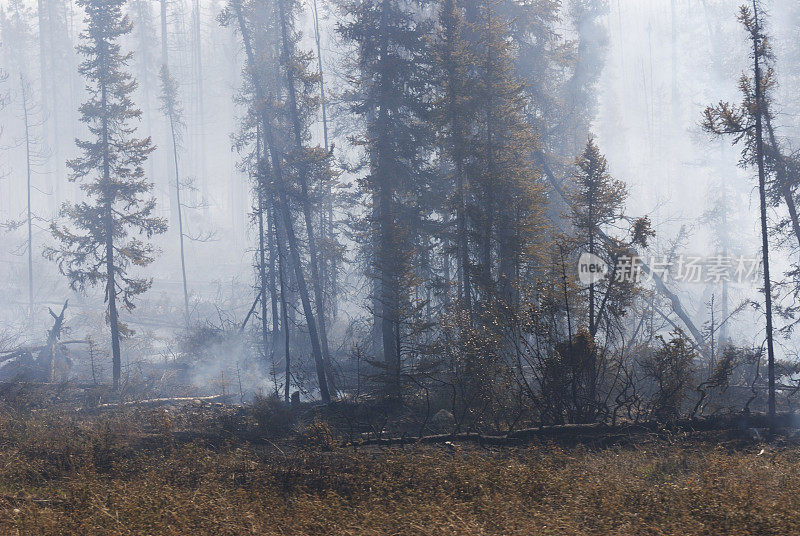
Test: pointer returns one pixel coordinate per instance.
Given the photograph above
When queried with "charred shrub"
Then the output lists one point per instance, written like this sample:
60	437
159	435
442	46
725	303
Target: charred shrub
318	435
670	372
272	416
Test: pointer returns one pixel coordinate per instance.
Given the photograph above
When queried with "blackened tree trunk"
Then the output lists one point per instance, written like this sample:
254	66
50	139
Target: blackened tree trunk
289	69
283	205
762	194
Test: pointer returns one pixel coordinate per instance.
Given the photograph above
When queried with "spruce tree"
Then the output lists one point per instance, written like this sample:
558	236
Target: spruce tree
389	94
106	234
255	33
746	124
309	165
596	201
509	206
454	113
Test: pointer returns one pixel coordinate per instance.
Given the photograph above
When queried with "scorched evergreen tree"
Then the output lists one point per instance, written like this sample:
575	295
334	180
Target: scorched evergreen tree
389	93
596	200
106	232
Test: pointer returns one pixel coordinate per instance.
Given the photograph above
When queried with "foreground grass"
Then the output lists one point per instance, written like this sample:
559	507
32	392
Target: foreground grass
118	476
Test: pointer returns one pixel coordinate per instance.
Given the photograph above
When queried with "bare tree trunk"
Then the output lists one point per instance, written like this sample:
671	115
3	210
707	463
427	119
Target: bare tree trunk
198	52
723	330
43	73
55	110
323	104
447	262
285	321
271	248
262	269
763	210
262	272
180	218
28	192
327	219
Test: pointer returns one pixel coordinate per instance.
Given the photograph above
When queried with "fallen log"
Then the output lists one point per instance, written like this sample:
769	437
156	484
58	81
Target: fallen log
164	401
588	432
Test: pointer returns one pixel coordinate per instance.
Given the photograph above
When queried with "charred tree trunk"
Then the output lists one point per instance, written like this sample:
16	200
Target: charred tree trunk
763	209
305	201
261	184
286	216
284	320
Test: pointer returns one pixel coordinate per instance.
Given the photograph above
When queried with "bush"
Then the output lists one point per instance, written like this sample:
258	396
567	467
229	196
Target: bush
317	436
670	370
273	417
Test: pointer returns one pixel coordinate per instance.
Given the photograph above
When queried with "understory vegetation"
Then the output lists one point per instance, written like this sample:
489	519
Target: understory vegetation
134	472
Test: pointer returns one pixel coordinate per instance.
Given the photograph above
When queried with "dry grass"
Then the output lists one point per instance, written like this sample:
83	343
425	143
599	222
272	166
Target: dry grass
128	475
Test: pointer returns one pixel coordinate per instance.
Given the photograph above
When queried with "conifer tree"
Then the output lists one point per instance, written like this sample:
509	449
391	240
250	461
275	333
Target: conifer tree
263	110
746	124
509	205
596	201
309	165
389	94
454	113
107	233
27	104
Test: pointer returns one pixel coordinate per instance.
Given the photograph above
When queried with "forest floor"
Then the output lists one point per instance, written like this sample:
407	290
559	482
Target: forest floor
135	472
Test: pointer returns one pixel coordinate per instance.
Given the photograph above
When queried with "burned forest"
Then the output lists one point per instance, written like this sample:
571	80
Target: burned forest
399	266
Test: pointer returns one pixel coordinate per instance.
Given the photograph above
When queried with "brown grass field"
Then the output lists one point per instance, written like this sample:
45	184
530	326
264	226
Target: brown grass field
131	473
